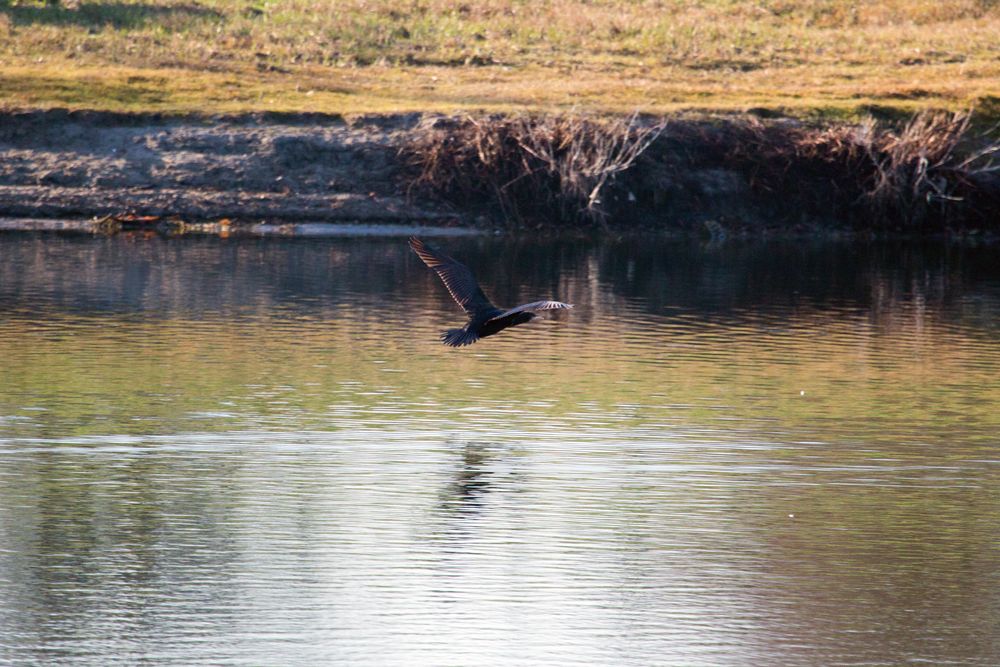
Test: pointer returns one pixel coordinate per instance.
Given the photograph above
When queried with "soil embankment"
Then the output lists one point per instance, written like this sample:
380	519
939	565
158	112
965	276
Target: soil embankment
927	176
250	168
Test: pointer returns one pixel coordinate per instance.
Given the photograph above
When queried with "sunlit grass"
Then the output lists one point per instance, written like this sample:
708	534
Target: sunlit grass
831	58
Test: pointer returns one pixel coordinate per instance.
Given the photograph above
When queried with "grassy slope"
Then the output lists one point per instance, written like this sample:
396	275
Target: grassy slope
826	57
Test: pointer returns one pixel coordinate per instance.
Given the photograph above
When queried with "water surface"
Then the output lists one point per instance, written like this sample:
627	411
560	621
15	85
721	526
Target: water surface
244	452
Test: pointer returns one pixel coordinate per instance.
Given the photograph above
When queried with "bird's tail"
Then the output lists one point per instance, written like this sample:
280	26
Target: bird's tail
458	337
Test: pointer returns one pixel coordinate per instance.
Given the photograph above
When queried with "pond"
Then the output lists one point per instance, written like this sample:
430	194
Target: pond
245	451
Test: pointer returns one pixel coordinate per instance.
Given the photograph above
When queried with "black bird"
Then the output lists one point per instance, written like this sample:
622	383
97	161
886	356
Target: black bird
485	319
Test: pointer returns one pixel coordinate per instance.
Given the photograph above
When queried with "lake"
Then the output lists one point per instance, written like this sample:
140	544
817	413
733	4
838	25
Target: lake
257	452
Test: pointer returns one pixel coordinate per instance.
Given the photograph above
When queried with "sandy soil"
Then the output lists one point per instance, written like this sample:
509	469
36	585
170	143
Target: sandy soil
251	168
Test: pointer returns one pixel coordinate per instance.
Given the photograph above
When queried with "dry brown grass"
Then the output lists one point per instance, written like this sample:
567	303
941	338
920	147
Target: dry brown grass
834	57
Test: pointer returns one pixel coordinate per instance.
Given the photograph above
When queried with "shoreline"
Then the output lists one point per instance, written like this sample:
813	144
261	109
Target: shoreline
728	175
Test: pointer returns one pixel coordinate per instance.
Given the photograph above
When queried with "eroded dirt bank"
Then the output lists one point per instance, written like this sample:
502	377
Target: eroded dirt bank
924	177
252	168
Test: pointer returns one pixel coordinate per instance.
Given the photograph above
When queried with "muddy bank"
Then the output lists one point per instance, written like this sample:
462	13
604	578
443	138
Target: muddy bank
247	169
733	174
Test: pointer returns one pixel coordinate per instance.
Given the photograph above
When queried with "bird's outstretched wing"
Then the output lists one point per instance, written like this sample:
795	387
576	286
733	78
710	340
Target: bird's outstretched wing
456	277
532	307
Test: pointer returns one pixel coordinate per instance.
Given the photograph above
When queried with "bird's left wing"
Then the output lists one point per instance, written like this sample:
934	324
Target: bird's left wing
456	277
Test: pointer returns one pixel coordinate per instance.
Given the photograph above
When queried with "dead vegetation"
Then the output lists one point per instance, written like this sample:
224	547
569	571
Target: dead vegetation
532	167
930	173
921	171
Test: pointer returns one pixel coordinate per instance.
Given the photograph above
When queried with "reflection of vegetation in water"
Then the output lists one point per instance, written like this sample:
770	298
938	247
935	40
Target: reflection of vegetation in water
143	377
319	335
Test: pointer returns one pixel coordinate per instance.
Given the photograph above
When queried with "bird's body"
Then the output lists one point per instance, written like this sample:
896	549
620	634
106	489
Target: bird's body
485	319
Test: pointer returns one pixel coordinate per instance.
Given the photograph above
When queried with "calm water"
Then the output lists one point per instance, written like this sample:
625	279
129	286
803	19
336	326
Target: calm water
257	453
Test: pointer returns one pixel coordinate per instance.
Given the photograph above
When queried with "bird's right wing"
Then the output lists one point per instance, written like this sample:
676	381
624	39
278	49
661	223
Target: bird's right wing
532	307
456	277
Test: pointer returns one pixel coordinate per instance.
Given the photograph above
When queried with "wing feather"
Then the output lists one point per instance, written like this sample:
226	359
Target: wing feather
456	277
533	307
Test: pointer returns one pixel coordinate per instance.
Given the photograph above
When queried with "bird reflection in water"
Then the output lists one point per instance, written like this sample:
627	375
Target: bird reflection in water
473	479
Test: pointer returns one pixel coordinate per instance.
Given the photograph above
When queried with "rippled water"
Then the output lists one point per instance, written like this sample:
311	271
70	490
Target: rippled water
239	452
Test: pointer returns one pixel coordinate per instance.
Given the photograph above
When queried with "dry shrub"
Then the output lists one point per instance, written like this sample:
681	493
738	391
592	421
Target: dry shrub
922	175
535	168
915	176
921	170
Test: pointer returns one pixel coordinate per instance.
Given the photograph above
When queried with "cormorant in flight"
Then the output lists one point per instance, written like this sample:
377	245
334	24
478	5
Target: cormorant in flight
485	319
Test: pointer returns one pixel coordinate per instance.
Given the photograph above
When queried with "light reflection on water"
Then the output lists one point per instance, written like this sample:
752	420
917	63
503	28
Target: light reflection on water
257	453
